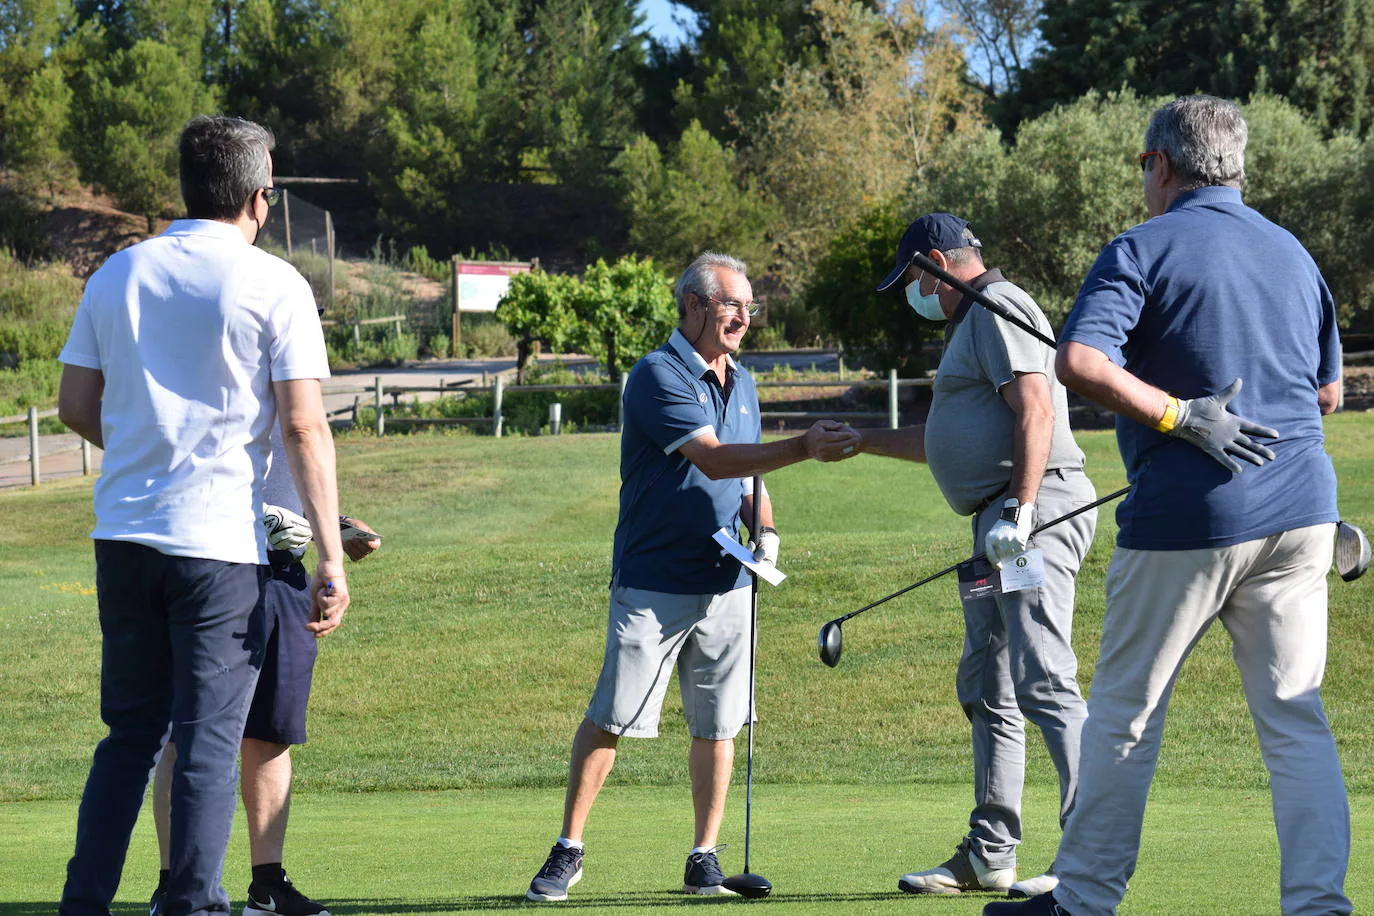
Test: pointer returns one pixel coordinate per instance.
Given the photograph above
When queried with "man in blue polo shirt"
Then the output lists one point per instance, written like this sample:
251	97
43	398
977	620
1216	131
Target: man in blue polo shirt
687	458
1174	315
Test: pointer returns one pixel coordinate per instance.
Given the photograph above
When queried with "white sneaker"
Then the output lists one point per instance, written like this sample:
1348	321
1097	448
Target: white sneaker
1033	887
964	871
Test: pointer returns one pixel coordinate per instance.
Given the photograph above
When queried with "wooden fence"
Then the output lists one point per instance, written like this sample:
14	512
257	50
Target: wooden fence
34	457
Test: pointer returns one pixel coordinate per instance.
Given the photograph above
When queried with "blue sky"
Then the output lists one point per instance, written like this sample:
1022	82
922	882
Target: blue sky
658	15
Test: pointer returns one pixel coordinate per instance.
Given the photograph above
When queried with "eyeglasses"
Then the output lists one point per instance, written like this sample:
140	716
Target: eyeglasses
734	305
1147	156
271	195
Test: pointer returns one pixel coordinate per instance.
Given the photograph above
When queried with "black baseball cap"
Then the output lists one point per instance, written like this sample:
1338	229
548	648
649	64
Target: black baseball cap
932	232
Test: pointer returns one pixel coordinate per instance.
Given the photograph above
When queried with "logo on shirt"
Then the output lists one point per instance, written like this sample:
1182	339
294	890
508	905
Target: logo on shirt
701	397
744	408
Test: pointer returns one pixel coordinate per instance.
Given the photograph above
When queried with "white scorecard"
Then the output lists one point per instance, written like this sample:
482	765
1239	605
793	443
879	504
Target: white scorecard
765	571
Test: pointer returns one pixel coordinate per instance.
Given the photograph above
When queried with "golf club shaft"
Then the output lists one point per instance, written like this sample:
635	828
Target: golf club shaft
1001	311
982	556
753	649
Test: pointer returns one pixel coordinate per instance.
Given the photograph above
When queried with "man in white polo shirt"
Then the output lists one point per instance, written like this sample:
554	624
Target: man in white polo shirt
184	350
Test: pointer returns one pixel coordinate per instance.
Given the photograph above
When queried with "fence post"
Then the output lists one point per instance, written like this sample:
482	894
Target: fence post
329	245
85	458
286	217
398	328
892	399
839	358
623	377
456	341
497	395
381	418
357	333
356	400
556	417
34	476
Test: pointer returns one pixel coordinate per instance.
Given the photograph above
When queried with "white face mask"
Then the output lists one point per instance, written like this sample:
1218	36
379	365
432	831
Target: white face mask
927	307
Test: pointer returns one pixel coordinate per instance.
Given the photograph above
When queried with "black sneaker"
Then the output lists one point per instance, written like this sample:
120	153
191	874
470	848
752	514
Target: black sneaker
562	869
1040	905
703	874
159	895
280	898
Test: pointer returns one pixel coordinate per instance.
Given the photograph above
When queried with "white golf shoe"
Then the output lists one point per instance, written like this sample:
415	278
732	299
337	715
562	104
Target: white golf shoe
964	871
1033	887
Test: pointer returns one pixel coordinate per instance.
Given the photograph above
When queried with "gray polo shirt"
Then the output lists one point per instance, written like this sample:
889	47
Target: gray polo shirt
969	431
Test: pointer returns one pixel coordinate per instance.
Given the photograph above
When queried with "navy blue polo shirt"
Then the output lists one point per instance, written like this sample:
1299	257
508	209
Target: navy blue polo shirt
668	508
1188	301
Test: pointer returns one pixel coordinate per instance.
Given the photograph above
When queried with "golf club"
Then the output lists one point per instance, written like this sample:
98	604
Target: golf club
1001	311
748	884
831	639
1352	551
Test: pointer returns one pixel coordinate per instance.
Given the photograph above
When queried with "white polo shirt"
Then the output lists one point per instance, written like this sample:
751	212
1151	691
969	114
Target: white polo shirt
190	329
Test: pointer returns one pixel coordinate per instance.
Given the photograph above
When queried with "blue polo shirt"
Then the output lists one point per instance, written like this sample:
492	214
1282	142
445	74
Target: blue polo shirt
1207	292
668	508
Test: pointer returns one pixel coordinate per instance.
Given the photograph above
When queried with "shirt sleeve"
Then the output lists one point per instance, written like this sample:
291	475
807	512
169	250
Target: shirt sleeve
1328	338
1003	349
82	347
1109	303
664	404
297	350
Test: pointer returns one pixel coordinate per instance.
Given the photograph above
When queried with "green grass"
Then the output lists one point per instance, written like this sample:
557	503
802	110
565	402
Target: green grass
476	636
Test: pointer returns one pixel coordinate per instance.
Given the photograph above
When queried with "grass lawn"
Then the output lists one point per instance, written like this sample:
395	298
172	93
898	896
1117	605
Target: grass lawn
451	693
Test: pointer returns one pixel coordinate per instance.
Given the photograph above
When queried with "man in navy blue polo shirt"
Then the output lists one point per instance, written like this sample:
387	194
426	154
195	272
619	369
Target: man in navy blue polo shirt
687	458
1174	315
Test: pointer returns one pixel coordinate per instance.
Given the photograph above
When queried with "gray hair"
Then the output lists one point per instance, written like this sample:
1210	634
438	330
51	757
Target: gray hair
223	161
700	277
1204	137
971	253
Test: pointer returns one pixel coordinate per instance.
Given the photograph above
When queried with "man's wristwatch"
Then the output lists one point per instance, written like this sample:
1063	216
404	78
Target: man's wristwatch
765	529
1012	510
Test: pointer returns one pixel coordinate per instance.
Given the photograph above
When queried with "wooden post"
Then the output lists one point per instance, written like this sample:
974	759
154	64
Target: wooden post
839	356
623	377
286	217
377	403
456	342
398	328
357	333
329	246
357	399
497	396
556	418
34	475
85	458
892	399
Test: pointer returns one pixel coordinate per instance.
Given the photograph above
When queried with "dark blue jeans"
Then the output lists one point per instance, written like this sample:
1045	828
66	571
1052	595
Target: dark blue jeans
182	642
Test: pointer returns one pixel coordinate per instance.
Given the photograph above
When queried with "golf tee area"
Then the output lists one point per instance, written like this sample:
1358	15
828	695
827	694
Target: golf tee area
444	706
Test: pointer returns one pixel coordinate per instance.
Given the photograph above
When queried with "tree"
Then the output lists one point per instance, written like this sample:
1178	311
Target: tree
696	200
128	111
623	311
538	306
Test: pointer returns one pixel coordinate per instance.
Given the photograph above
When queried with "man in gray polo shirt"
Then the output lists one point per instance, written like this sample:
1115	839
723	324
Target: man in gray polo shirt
998	444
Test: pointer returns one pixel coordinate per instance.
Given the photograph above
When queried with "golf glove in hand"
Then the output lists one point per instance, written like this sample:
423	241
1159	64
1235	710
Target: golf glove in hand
1011	533
1207	423
285	529
766	546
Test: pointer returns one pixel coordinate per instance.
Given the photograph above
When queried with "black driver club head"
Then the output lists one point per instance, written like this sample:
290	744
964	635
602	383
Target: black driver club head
831	643
749	885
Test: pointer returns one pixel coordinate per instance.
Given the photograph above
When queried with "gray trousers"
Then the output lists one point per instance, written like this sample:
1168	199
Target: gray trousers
1018	664
1270	595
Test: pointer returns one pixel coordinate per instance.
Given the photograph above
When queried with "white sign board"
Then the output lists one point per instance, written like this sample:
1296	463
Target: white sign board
482	284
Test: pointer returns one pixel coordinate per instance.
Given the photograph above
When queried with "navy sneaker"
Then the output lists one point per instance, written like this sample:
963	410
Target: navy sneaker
703	874
1043	905
159	895
280	898
562	869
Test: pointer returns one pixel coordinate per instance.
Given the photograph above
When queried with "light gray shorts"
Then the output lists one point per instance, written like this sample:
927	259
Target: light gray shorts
706	635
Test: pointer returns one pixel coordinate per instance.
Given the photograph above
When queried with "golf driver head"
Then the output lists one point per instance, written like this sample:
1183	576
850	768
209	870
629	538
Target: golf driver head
749	885
831	643
1352	551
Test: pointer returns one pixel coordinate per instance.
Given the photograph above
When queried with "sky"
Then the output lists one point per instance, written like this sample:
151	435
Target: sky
658	17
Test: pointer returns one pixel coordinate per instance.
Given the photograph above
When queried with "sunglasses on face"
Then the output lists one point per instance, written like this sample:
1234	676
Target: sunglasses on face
271	195
734	305
1147	156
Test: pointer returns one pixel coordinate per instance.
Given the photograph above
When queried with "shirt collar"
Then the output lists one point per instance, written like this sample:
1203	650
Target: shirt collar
689	355
211	227
1202	197
981	282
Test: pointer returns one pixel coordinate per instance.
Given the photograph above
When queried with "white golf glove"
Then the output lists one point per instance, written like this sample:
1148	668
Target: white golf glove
285	529
1012	532
766	546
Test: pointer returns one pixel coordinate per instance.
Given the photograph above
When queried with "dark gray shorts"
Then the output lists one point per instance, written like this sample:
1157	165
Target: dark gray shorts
277	714
707	636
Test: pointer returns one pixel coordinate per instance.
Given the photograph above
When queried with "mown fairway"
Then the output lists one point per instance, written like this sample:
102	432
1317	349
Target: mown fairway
474	641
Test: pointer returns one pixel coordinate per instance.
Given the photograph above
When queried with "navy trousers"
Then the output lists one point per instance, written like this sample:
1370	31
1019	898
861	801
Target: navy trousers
182	642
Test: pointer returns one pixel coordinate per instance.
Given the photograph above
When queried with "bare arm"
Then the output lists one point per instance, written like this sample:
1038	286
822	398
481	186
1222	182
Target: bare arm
78	402
746	512
1328	396
907	443
310	451
1028	395
824	441
1089	372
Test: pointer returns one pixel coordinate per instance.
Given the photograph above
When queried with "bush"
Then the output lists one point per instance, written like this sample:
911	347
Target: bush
438	346
486	339
32	384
